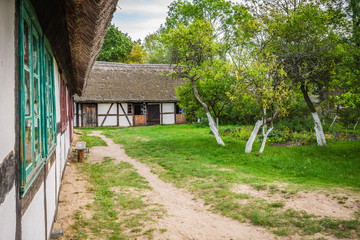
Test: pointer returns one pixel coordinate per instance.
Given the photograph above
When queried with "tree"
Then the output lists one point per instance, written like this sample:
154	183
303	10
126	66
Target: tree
196	53
157	53
137	54
116	46
302	35
260	77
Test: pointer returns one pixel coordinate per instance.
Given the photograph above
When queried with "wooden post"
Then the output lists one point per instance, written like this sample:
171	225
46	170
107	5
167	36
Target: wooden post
81	155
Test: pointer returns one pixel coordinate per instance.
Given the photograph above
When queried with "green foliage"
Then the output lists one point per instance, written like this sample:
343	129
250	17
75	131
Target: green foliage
157	53
116	46
137	54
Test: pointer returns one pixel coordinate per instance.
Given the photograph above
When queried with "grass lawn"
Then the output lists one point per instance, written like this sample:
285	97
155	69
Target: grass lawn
189	157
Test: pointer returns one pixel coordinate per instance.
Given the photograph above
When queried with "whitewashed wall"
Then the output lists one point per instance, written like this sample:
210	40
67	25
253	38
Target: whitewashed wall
123	122
168	113
7	106
7	77
33	221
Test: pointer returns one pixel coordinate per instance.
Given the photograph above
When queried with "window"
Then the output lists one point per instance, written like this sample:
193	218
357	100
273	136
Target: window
129	108
180	110
140	109
37	104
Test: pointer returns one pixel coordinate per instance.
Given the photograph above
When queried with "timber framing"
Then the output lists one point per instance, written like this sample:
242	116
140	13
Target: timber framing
123	94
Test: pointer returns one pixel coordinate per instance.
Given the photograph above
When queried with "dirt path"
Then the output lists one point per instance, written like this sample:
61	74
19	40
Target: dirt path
186	218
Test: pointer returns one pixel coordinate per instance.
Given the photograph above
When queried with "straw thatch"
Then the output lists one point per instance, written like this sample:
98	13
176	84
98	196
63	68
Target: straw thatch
75	30
118	82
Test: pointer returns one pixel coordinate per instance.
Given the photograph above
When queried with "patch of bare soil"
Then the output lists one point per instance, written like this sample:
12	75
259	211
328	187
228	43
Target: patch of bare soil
73	196
339	206
186	218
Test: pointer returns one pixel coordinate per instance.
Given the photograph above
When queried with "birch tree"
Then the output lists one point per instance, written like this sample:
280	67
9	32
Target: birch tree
194	52
262	79
302	34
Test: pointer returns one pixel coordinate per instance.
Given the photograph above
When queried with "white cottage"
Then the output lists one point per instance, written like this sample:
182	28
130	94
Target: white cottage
47	48
119	94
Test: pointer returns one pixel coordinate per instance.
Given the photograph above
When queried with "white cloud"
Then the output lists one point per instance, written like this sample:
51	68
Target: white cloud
138	18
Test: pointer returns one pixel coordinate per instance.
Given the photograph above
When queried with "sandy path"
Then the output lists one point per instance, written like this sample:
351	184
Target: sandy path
186	218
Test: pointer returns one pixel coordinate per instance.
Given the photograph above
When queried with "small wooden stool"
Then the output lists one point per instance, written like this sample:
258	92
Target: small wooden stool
81	147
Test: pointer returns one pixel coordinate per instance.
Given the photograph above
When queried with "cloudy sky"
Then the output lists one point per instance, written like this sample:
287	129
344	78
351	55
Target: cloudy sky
138	18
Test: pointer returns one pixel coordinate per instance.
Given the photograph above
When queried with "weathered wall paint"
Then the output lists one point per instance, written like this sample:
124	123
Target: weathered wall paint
109	121
33	220
168	108
7	77
8	216
50	198
168	119
104	107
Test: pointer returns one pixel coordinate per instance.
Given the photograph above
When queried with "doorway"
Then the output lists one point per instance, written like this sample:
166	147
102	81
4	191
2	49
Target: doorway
153	114
89	115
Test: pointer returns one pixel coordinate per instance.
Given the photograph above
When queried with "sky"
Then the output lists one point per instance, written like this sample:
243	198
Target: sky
138	18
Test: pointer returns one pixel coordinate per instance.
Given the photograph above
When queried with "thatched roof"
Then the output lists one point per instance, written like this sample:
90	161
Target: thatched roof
75	30
119	82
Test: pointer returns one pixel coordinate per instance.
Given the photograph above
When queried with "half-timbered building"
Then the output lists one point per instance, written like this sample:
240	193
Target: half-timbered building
47	48
119	94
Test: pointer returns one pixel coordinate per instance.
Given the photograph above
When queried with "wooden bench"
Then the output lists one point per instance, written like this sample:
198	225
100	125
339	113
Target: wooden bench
81	147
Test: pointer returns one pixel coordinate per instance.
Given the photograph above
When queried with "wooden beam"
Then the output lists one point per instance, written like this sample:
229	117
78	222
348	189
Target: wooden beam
82	115
102	123
117	113
122	108
161	114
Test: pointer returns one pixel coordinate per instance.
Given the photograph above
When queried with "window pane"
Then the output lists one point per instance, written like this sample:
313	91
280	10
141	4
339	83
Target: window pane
28	141
37	138
35	54
27	93
26	43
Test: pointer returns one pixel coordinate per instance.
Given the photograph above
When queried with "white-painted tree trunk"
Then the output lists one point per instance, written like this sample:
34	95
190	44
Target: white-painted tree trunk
212	124
214	129
333	121
320	137
254	132
265	135
356	123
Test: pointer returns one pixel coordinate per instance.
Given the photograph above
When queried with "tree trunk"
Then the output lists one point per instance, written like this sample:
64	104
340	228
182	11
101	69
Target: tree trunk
320	137
212	124
264	139
333	122
254	132
356	123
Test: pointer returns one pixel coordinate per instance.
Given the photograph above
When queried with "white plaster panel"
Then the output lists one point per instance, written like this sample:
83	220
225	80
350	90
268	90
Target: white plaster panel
58	163
125	106
123	122
8	216
7	77
110	121
33	221
168	107
50	198
168	119
104	107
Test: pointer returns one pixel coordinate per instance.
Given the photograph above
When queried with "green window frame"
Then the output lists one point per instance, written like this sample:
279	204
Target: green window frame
37	97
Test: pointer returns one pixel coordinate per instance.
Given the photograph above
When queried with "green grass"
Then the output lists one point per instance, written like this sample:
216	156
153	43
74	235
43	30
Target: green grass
118	211
91	141
189	157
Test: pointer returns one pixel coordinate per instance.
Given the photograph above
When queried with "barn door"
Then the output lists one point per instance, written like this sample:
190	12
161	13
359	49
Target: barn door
153	114
89	115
